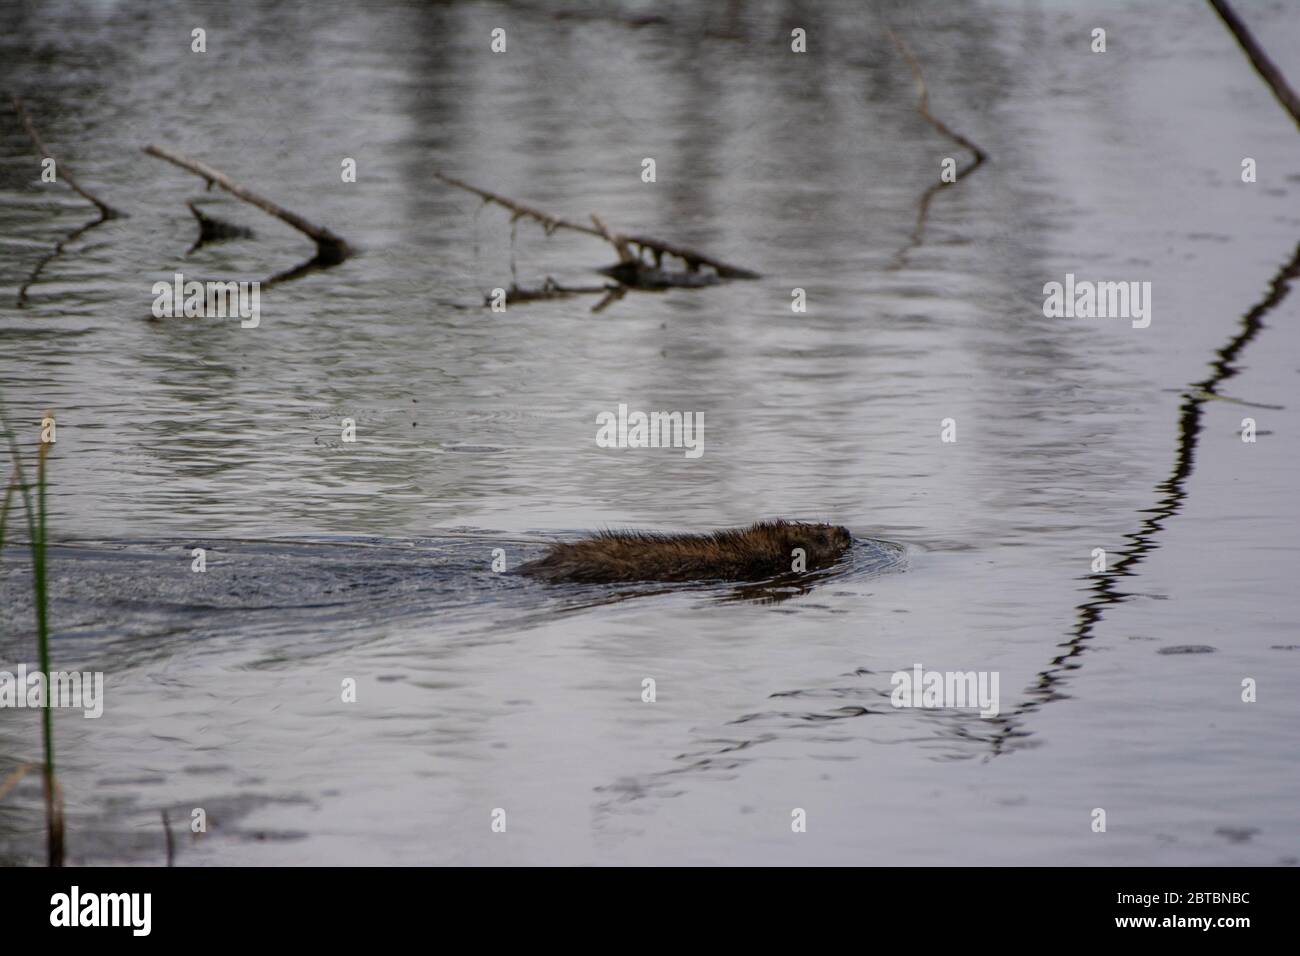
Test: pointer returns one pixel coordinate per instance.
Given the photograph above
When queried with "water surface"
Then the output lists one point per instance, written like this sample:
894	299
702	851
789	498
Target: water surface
371	560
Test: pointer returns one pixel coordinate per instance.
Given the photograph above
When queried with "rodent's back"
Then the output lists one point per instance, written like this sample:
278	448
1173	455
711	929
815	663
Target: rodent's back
761	551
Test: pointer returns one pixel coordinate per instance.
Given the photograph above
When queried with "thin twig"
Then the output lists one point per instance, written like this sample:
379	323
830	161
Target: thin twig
105	210
550	289
923	103
549	223
619	241
923	107
1259	59
330	248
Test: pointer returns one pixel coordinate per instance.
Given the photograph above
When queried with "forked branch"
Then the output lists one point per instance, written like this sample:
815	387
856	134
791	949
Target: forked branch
923	107
622	243
106	212
331	249
923	102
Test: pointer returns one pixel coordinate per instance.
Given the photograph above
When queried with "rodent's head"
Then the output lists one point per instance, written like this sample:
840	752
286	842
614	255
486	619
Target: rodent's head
834	537
823	540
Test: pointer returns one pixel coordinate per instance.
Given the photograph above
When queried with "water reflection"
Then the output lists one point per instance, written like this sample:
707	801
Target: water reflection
1171	494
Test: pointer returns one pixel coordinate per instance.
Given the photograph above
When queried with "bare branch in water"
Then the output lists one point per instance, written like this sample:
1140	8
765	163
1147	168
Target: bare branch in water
923	107
618	242
550	289
923	102
549	223
330	249
621	243
692	258
1259	59
105	210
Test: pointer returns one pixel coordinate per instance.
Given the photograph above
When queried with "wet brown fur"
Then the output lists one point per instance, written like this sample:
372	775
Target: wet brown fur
761	551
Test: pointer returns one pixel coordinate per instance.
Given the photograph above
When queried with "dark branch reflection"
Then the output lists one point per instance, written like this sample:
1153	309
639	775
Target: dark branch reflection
55	253
1105	588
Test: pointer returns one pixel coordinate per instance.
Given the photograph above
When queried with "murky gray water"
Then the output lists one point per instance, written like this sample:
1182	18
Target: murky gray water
476	430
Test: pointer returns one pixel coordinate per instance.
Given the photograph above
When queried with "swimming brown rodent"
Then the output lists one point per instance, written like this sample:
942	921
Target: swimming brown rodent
761	551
